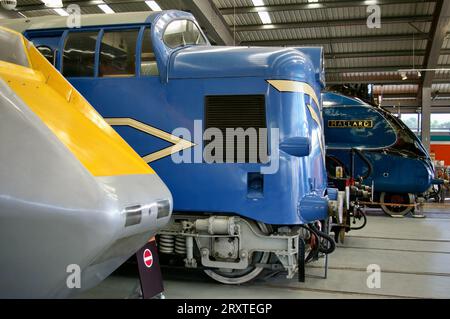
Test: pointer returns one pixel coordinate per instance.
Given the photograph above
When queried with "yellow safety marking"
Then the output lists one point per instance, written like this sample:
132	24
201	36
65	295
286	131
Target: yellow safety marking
70	117
179	143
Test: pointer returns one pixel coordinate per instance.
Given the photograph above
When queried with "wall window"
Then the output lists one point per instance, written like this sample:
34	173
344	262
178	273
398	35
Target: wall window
12	50
412	120
118	53
440	122
148	59
181	33
79	54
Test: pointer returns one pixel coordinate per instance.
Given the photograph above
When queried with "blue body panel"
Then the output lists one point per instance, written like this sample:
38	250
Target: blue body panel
295	194
399	161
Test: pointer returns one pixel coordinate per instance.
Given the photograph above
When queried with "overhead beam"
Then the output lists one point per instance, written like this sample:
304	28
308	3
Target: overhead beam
378	68
381	81
81	3
329	23
394	108
313	6
439	105
370	81
322	41
207	15
438	32
8	14
374	54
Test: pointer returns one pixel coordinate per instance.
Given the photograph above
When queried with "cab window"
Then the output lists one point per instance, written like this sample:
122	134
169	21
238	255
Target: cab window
148	59
48	53
118	53
79	54
11	49
181	33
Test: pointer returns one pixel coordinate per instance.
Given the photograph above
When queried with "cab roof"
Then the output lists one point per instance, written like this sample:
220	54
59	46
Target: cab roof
59	22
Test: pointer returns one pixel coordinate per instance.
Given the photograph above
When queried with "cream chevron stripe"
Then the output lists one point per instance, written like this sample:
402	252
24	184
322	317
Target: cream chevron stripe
302	87
179	143
295	86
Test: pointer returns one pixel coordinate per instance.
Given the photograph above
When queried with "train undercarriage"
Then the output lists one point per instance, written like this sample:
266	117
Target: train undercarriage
234	250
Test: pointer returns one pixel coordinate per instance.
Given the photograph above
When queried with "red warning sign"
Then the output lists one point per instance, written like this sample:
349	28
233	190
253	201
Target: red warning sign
148	258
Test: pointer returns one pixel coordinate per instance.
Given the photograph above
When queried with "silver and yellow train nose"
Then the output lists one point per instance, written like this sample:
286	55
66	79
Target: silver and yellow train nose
73	195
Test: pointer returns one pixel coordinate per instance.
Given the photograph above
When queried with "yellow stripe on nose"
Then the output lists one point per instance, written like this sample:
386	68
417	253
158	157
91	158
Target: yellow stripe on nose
96	145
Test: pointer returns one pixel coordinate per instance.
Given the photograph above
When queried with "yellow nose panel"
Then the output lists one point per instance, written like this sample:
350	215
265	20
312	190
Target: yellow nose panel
71	118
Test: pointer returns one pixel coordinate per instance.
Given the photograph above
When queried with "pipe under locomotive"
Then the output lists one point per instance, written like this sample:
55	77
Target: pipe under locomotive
75	200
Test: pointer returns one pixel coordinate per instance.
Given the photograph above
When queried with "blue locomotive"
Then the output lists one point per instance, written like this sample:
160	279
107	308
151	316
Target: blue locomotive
371	144
235	132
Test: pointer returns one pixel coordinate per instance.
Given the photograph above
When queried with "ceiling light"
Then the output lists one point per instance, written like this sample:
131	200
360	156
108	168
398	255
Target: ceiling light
313	1
265	17
61	12
403	75
419	74
53	3
258	3
106	9
153	5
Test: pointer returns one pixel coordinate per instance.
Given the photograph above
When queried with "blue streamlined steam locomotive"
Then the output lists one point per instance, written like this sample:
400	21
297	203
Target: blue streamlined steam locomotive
372	144
170	94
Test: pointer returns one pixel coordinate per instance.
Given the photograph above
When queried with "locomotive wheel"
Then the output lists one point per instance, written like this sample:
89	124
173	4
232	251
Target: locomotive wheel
392	198
240	276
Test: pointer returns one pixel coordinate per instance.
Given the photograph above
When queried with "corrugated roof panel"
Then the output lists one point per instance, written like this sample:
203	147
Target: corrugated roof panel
28	2
441	88
388	75
244	3
232	3
243	19
395	88
130	7
337	14
299	16
360	30
375	46
387	10
442	74
284	34
91	10
323	32
281	2
446	44
375	61
444	59
39	13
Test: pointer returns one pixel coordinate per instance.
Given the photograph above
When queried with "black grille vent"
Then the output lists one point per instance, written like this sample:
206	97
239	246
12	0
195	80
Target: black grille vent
238	111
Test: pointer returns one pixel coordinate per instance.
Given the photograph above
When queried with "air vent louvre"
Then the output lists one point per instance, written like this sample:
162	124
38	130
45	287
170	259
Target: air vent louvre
238	111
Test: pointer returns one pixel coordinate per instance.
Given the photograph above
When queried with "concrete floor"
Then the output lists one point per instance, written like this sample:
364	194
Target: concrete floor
413	255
